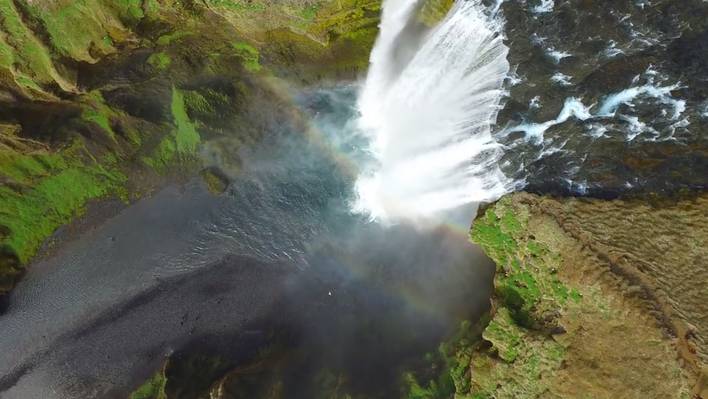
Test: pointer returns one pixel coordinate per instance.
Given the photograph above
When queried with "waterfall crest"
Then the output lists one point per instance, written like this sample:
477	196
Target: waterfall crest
428	104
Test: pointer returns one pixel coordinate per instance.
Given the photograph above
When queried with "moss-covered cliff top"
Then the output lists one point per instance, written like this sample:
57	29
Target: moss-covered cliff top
596	299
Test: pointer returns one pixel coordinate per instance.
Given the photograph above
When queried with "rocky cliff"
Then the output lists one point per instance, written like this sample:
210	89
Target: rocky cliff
110	98
594	298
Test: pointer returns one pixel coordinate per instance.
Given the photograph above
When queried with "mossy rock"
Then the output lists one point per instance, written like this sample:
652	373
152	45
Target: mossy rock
215	180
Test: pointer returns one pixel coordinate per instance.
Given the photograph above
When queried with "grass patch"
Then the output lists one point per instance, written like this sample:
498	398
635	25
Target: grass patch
249	55
79	29
239	5
450	365
515	363
167	39
181	143
26	52
530	298
308	13
61	184
159	61
154	388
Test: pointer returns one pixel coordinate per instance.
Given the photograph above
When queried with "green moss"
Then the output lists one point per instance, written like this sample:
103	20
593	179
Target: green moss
159	61
27	53
530	298
415	391
7	56
526	281
27	168
41	43
131	10
162	155
240	5
575	295
61	186
525	359
309	40
308	13
345	16
510	224
167	39
186	136
196	103
492	236
216	183
96	111
504	335
451	361
79	29
154	388
535	248
151	8
351	27
101	119
249	55
27	83
46	189
181	143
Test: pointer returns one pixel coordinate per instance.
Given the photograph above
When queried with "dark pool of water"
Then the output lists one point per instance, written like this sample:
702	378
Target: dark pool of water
279	252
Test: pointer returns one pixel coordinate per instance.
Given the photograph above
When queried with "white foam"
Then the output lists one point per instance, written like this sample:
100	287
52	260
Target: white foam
537	40
430	120
612	51
545	6
574	108
597	130
514	79
557	56
680	124
578	187
663	93
561	79
635	127
496	7
534	132
535	103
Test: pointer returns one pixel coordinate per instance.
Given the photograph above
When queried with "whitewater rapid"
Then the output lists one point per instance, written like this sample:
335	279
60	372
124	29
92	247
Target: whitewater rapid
428	106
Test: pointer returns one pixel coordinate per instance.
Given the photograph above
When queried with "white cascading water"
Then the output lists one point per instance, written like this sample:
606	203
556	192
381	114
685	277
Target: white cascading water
429	102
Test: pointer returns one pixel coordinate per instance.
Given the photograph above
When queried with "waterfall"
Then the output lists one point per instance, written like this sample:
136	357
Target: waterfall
428	104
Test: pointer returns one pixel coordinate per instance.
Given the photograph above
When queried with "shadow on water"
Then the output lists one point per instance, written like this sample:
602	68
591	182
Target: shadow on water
369	306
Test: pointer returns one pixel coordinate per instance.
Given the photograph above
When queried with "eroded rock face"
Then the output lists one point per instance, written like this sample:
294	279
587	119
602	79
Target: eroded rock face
609	97
594	298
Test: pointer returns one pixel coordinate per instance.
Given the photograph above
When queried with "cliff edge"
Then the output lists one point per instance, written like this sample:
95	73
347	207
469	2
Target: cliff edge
594	298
